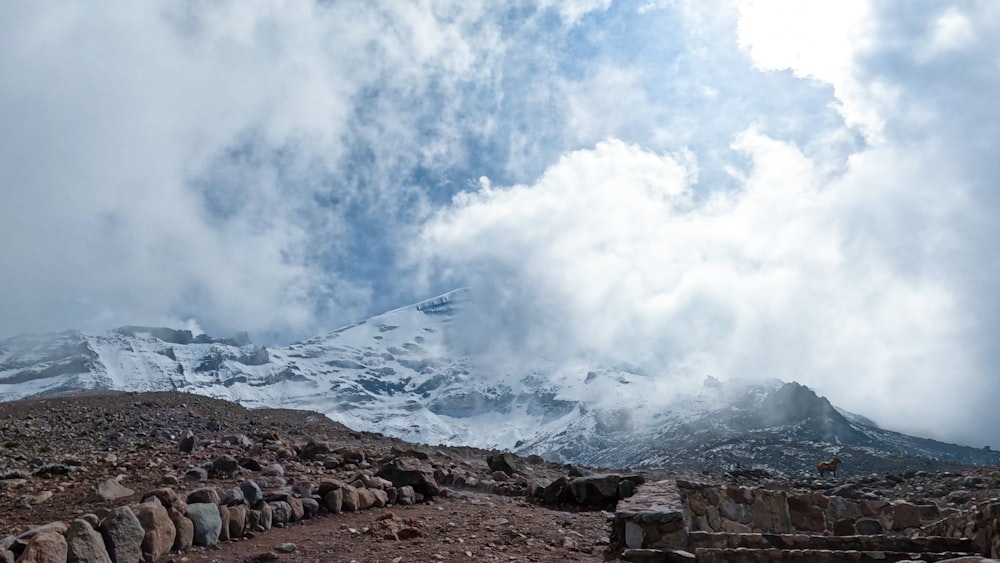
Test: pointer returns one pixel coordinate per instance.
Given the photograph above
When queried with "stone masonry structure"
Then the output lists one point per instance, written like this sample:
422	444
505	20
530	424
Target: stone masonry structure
686	520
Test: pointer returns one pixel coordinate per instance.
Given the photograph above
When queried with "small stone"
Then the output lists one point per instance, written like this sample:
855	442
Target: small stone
27	501
109	489
196	474
250	464
187	443
225	466
285	548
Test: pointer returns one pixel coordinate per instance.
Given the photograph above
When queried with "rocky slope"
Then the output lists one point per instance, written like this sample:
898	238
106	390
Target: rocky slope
84	457
407	373
79	462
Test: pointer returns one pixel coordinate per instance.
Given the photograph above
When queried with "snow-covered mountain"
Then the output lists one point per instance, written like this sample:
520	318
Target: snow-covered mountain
399	373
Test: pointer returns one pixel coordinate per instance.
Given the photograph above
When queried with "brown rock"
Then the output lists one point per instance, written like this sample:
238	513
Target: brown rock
366	499
844	527
266	516
334	501
389	526
45	547
769	512
168	498
298	510
327	485
696	501
381	498
805	516
734	511
204	495
224	516
350	502
184	531
353	455
196	475
237	521
504	462
873	508
904	515
160	532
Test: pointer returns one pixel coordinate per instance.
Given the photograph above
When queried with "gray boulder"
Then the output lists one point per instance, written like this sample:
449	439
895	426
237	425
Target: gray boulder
281	513
251	493
334	501
207	523
407	471
405	495
504	462
84	544
225	466
123	535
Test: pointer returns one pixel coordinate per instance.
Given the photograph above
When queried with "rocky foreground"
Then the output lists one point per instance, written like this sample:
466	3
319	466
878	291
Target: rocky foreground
173	476
178	477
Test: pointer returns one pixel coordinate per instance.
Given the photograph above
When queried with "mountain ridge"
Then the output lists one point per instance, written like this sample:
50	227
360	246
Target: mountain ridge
397	373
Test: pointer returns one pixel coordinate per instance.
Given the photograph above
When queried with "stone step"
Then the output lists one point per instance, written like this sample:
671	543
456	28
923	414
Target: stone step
750	555
836	543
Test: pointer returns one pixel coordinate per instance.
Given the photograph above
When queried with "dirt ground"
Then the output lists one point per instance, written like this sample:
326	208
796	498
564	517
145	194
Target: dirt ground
54	451
463	527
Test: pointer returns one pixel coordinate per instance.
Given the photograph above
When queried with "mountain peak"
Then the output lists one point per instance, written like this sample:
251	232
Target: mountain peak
794	403
399	373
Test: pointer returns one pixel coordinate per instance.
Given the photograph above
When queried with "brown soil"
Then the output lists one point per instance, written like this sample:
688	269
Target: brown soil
465	527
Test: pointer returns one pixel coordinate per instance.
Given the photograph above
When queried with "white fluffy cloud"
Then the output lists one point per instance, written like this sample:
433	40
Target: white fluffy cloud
163	161
748	189
609	257
856	273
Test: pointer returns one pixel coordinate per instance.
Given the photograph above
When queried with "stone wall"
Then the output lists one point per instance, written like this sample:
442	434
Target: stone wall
167	520
731	509
654	519
981	523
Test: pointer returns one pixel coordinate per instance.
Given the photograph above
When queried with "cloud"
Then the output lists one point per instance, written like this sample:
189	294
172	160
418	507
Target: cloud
746	189
853	268
165	161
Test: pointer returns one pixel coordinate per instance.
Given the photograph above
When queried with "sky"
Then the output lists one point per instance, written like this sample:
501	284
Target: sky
786	189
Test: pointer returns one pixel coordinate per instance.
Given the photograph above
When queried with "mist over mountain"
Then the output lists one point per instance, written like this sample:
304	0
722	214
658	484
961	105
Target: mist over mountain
398	373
